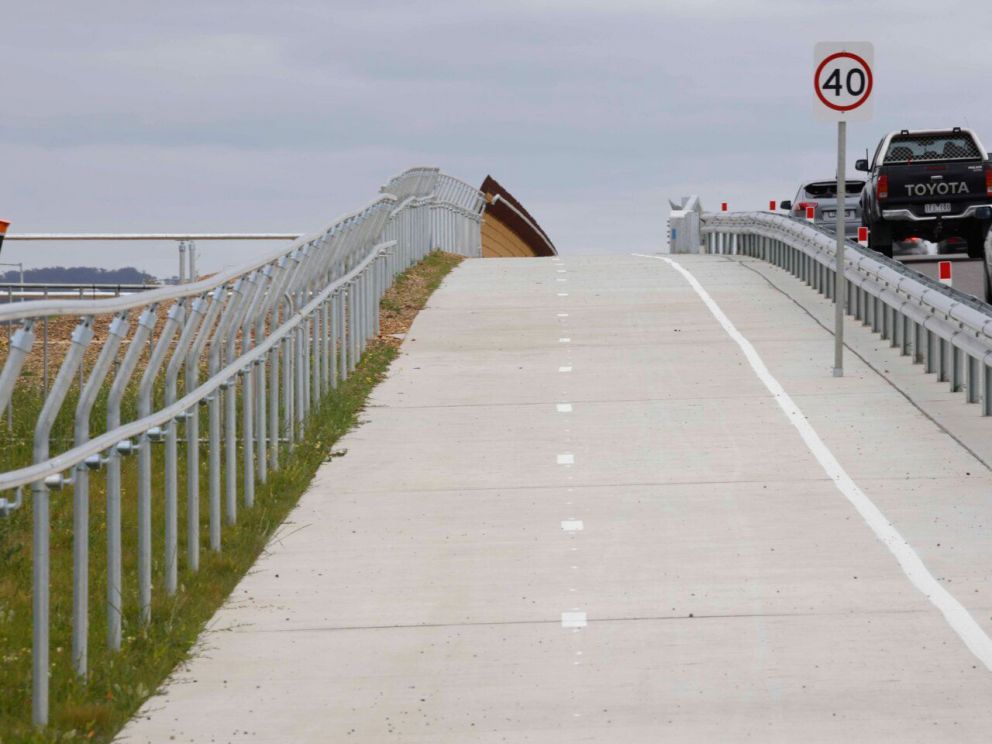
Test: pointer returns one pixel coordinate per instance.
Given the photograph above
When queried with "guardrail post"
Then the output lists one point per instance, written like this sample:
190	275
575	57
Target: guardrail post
288	376
931	353
956	363
986	389
274	434
173	319
81	496
230	389
81	337
972	378
943	361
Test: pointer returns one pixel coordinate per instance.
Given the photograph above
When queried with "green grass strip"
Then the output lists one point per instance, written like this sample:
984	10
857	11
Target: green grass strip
95	709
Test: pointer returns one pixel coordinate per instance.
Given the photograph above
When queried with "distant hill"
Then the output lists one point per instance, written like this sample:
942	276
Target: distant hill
80	275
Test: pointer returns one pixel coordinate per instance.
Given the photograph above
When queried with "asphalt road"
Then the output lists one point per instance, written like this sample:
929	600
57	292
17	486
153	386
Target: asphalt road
966	273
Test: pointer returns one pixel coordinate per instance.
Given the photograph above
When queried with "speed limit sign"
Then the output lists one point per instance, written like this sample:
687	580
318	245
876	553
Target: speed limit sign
842	86
843	80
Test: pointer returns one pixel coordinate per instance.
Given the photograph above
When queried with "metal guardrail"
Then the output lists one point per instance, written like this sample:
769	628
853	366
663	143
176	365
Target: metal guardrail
947	331
186	242
270	338
9	291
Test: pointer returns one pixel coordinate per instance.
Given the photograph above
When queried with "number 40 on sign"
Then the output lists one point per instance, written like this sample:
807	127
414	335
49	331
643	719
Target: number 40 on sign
843	80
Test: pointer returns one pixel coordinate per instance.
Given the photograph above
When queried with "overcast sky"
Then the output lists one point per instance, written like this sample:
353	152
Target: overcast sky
231	115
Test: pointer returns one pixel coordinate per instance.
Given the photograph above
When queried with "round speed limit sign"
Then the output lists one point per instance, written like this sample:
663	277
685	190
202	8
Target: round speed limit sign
842	80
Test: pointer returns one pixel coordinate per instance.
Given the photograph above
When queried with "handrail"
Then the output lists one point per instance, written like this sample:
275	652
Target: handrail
272	336
152	236
173	292
66	460
946	330
521	215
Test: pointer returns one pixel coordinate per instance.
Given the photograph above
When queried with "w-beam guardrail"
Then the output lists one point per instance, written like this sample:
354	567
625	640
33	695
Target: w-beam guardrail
945	330
258	346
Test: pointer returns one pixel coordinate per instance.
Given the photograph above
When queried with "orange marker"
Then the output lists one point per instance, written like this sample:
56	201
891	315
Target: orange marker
3	230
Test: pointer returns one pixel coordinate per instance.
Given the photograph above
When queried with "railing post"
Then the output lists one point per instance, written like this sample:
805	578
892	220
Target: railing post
81	337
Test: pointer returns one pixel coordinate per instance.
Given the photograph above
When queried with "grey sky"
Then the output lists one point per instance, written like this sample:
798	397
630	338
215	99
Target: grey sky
219	115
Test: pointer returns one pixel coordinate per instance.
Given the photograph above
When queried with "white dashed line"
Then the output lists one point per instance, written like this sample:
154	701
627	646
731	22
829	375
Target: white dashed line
572	525
564	340
566	458
564	407
563	294
564	369
573	619
562	315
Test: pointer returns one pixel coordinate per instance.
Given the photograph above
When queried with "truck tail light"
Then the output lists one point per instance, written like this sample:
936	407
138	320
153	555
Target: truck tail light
883	187
988	180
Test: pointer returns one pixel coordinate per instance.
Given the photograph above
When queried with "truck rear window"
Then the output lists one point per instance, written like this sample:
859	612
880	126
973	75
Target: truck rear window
828	189
907	148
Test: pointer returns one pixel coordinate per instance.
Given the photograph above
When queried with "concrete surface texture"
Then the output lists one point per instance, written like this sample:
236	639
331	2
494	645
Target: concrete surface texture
574	513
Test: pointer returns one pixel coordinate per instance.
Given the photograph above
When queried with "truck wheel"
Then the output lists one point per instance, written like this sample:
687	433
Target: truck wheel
975	235
880	238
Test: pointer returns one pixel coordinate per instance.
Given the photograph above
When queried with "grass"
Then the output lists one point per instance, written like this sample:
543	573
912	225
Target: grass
95	709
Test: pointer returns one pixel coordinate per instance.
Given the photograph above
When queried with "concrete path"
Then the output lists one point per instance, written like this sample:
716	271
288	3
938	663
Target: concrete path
575	514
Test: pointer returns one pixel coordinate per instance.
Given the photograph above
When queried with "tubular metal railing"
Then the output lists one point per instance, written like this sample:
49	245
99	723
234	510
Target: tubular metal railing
257	347
945	330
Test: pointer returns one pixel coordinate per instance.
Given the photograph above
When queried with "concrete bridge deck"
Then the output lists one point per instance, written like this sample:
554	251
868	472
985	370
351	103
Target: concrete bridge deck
576	513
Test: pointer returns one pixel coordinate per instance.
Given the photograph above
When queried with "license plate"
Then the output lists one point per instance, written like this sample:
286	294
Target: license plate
941	208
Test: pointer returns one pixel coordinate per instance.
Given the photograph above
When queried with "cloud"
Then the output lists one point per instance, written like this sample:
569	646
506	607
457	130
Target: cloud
231	115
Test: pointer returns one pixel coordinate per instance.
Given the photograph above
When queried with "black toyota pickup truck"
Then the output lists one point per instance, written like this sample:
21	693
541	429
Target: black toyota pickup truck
932	184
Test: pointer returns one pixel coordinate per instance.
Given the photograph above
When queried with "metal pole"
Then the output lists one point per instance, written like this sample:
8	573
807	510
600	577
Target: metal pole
840	290
191	251
182	261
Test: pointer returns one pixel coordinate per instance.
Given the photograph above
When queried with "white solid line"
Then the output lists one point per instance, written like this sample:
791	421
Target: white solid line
564	369
953	611
564	407
572	525
566	459
573	619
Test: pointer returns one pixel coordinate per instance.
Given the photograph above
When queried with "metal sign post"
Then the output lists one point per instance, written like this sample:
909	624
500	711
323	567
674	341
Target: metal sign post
842	83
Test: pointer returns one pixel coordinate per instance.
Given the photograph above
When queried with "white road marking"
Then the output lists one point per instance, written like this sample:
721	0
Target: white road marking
561	279
561	271
960	620
564	369
572	525
563	294
573	619
562	315
564	340
564	407
566	458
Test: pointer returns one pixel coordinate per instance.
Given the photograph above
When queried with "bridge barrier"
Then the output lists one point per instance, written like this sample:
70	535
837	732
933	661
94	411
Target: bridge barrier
945	330
684	224
270	339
